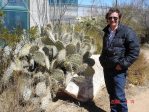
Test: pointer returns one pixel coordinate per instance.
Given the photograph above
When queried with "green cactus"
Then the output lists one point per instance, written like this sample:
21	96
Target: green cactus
89	71
66	39
93	41
86	56
39	58
87	37
86	41
81	69
78	45
24	50
67	65
75	58
39	77
54	50
54	64
70	49
47	41
79	36
61	56
58	75
56	36
57	83
53	87
59	45
33	49
86	47
48	51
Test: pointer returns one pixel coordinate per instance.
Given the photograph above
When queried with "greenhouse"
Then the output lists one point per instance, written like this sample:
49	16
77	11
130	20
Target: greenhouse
22	13
16	13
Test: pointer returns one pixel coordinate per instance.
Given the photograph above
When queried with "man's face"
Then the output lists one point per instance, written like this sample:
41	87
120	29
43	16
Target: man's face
113	19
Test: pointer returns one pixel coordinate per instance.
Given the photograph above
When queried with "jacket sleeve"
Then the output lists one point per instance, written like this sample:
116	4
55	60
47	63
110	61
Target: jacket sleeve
132	46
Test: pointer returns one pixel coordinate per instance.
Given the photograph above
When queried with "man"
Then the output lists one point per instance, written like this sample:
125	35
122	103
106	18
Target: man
120	49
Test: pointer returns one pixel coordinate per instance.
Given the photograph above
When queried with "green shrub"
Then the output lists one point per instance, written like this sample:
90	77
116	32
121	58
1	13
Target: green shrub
11	37
33	32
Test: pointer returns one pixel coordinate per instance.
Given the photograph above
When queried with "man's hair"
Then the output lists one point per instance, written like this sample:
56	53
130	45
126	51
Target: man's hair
111	10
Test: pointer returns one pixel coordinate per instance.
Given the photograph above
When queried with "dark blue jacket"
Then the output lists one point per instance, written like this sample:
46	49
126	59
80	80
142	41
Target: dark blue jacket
124	48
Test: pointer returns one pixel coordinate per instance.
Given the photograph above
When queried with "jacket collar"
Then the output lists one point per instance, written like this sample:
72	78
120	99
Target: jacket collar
106	29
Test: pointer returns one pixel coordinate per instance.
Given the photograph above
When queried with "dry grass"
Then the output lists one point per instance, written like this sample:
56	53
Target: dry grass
9	102
139	71
10	99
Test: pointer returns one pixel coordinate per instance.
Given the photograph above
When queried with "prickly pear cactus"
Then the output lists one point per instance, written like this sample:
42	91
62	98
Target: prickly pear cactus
52	62
53	49
59	45
66	39
24	50
71	49
81	69
47	41
85	47
39	58
75	58
33	49
78	46
57	79
61	56
58	75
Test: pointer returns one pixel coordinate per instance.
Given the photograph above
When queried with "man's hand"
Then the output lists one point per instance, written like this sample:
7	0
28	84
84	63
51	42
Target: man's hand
118	67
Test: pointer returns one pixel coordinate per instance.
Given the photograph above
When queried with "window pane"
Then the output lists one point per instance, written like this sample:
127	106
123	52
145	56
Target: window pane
23	3
18	19
75	2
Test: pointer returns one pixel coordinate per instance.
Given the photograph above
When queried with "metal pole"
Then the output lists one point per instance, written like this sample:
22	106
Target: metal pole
116	3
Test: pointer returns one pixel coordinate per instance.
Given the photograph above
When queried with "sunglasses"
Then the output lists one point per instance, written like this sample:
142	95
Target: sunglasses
115	18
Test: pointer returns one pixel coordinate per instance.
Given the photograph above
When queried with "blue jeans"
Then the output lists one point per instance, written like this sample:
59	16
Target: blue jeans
115	84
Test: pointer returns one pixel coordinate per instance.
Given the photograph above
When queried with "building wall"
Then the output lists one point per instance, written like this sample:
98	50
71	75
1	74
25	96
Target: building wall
52	10
15	13
39	12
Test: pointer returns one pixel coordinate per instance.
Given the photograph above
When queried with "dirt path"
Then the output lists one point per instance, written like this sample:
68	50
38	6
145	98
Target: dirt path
145	51
141	100
139	103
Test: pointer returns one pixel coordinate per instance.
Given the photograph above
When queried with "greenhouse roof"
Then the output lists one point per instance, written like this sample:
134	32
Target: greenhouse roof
15	8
